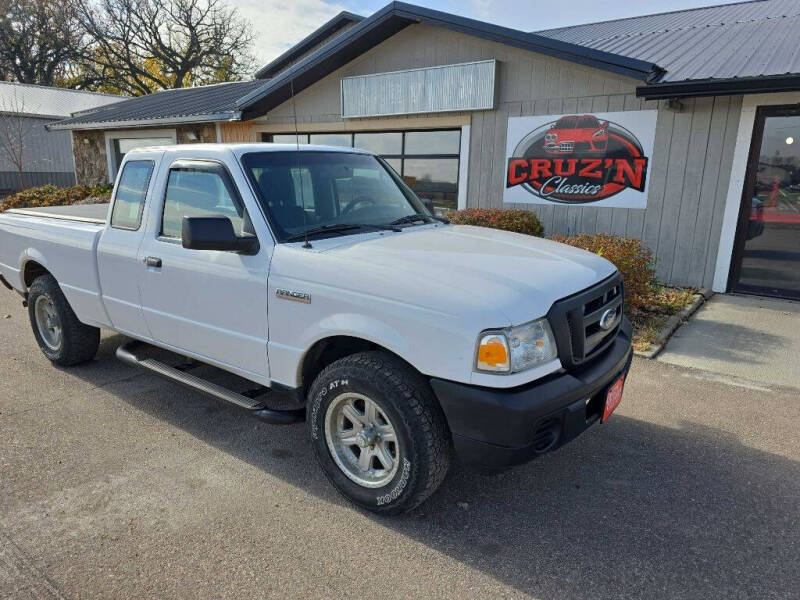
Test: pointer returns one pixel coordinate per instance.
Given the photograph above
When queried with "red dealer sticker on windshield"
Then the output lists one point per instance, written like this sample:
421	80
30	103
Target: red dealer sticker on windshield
578	159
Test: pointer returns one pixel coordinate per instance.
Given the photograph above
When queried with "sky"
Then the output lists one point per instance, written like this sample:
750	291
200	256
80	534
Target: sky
279	24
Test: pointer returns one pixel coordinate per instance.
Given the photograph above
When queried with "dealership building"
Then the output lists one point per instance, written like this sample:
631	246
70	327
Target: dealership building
681	129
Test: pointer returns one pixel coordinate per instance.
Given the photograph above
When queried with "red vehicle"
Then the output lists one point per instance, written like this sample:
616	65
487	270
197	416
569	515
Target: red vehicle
577	134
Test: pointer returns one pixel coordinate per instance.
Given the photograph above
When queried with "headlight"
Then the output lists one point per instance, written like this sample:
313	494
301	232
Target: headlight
516	348
598	133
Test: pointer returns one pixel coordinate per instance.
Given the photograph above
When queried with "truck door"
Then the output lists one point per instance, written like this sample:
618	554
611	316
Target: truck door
118	248
206	303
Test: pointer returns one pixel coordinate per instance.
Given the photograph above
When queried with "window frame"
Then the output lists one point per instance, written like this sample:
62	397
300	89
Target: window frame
144	197
210	165
267	137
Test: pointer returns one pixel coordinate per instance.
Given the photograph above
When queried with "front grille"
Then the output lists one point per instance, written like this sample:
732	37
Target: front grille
577	321
566	146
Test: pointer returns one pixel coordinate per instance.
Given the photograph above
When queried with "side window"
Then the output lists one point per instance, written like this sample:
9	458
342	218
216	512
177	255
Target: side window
199	191
131	192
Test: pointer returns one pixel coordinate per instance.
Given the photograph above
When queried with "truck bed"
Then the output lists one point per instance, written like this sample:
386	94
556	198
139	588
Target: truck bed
86	213
63	240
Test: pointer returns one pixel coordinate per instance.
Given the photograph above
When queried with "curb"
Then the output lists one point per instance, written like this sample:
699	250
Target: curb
673	323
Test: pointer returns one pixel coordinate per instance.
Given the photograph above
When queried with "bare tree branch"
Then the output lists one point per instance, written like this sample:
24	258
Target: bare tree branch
141	46
40	40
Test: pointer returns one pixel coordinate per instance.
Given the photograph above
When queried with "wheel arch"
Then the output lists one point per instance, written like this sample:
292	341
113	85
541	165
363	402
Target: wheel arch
32	268
331	348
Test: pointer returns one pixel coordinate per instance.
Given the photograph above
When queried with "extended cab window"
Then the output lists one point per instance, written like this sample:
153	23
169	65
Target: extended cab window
131	192
197	189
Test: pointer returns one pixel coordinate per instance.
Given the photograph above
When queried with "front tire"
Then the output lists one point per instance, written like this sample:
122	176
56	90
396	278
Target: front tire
378	432
61	336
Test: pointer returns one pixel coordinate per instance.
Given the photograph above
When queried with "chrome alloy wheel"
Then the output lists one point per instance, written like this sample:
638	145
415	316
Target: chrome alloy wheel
361	440
48	323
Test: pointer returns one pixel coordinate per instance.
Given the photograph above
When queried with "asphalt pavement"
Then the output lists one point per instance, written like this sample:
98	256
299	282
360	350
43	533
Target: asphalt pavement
117	484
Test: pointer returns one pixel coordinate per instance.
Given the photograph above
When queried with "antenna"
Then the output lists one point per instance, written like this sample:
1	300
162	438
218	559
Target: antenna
306	244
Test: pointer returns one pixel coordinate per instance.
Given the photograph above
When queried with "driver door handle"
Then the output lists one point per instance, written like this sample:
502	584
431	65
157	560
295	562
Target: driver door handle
152	261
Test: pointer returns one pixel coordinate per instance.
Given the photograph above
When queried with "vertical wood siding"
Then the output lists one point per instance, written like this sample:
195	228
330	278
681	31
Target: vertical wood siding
9	180
690	166
44	151
237	132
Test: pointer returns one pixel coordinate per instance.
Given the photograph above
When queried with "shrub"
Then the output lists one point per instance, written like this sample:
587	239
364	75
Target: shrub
51	195
633	259
519	221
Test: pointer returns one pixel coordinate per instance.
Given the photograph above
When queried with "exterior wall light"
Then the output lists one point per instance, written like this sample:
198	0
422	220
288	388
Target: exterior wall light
674	104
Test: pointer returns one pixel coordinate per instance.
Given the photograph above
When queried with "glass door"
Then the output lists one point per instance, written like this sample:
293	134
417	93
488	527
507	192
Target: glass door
767	254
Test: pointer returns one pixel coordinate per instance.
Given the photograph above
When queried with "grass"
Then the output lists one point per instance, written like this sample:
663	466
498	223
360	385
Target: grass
650	320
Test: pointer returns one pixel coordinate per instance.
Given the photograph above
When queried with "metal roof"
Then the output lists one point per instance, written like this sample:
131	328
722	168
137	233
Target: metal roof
743	40
44	101
189	105
747	47
315	38
396	16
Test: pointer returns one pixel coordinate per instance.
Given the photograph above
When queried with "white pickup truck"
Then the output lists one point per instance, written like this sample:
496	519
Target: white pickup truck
319	279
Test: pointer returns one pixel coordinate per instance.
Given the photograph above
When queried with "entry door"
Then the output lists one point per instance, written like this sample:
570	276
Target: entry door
210	304
767	254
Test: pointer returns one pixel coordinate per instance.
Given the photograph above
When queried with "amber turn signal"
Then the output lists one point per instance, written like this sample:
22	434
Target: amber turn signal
493	353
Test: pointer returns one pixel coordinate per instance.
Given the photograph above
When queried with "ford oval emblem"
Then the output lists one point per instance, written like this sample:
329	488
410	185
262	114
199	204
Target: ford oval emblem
608	319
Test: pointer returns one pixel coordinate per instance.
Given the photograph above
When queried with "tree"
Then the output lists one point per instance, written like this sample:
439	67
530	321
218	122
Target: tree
140	46
40	40
16	133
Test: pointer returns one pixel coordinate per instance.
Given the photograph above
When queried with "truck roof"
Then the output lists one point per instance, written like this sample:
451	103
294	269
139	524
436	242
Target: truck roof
243	148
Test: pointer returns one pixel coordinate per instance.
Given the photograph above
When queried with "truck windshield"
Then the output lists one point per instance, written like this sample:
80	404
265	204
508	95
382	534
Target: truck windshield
318	191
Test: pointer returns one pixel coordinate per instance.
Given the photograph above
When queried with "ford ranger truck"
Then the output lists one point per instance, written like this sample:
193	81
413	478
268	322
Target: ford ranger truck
322	290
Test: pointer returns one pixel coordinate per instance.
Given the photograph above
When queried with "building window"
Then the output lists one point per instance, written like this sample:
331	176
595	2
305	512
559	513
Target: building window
120	146
427	160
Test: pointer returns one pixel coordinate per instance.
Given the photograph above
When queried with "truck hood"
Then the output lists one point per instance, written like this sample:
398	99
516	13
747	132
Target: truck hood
518	275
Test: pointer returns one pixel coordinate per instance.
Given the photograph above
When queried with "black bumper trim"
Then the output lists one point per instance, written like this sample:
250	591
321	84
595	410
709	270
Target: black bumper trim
501	427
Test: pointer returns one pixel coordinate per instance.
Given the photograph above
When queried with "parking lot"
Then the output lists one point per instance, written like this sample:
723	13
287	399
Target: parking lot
117	484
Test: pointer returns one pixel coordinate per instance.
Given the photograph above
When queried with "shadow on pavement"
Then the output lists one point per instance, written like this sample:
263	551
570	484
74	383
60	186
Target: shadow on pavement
631	509
727	342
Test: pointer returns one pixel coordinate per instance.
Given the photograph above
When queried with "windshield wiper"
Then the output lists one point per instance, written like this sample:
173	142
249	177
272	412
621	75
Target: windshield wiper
336	228
412	219
416	217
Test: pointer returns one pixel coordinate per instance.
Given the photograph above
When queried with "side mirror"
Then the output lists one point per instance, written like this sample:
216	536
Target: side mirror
215	233
428	204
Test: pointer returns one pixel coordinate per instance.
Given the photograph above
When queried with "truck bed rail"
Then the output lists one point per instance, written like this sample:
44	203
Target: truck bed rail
82	213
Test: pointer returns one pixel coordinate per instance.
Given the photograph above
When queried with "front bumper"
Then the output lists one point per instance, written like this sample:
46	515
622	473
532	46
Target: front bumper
502	427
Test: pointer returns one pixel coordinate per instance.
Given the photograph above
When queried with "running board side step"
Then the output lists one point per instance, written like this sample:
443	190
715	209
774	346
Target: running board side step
254	406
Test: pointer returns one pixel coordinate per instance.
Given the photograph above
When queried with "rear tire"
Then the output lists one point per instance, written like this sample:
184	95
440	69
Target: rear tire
406	436
61	336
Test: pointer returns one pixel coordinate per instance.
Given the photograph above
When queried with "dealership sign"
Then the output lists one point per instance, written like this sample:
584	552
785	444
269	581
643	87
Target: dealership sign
597	159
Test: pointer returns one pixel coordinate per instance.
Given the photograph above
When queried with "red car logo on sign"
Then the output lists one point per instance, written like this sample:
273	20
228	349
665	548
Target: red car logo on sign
578	159
584	133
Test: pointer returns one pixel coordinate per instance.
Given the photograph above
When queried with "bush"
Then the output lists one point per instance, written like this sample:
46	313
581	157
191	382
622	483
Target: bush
518	221
633	259
50	195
